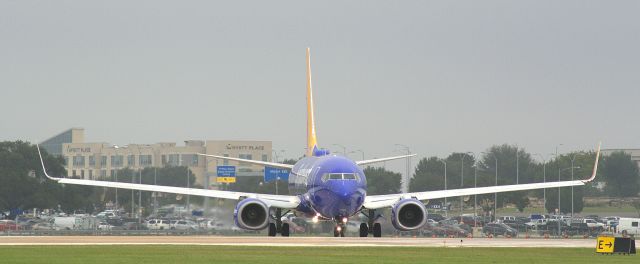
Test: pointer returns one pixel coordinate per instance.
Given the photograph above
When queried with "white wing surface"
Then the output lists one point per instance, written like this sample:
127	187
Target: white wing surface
381	201
365	162
257	162
280	201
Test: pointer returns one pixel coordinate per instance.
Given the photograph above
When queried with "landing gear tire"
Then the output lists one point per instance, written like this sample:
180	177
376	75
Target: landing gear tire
285	230
338	231
377	230
364	230
272	229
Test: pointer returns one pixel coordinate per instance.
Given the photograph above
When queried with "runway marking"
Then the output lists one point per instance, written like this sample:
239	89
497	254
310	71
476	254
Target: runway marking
289	241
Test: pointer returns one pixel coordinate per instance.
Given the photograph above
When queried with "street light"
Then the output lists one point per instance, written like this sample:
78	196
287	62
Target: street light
358	150
116	174
462	155
544	180
405	186
572	167
495	195
445	185
344	149
475	185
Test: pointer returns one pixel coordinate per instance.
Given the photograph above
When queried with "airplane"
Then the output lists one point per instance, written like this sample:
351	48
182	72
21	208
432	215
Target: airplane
326	187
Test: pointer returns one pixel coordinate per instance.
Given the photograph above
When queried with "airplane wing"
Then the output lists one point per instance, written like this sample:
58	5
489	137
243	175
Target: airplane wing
257	162
279	201
365	162
381	201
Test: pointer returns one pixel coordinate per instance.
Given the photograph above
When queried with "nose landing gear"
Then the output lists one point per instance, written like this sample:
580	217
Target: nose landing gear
339	229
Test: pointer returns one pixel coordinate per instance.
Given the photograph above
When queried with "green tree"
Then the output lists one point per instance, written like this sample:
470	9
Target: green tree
381	181
515	166
621	175
24	186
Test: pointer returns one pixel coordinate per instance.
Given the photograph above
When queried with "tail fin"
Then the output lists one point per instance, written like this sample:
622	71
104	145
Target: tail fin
312	142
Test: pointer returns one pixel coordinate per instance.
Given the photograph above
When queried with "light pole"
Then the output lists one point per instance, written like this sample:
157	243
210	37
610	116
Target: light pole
572	167
155	194
344	149
462	155
116	174
445	185
358	150
544	179
405	186
495	195
475	185
517	166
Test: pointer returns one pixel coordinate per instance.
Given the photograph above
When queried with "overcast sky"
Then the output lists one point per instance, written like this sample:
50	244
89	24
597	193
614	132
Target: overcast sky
438	76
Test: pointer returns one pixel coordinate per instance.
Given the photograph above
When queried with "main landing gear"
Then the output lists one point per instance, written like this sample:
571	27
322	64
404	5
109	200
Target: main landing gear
278	226
370	226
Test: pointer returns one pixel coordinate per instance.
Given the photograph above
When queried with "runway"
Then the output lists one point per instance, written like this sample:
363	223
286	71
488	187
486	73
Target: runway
295	241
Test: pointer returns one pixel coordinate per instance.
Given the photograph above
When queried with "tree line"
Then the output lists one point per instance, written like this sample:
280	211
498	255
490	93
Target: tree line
23	184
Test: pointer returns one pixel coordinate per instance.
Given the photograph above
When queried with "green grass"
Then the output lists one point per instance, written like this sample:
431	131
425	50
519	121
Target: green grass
281	255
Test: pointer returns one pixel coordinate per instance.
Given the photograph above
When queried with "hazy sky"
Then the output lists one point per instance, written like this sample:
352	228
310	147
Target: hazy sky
438	76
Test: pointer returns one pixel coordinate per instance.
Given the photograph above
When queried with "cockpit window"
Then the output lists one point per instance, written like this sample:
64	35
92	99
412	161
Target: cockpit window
339	176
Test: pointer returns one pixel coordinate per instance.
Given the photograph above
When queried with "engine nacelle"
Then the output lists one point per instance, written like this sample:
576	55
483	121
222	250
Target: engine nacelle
408	214
251	214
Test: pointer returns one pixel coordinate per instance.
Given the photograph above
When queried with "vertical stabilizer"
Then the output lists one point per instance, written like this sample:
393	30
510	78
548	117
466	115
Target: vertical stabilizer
312	142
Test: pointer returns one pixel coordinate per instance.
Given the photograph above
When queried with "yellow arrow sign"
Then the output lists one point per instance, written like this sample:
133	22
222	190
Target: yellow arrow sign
226	179
605	244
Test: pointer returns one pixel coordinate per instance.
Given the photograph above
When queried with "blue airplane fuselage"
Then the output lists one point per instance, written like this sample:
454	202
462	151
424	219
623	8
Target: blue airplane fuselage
317	180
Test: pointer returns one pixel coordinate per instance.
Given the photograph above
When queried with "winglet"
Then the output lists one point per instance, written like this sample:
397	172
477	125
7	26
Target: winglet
595	166
43	168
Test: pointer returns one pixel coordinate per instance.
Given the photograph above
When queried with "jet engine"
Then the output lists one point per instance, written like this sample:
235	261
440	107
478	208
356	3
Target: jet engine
251	214
408	214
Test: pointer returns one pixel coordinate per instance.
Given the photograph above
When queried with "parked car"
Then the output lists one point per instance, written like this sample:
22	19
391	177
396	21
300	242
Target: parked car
496	229
591	223
158	224
183	225
7	225
536	223
134	226
435	217
104	226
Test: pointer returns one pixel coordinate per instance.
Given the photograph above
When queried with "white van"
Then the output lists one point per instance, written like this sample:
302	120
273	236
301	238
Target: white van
629	226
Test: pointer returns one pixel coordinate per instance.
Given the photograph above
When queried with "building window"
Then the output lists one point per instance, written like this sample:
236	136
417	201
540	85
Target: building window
82	174
113	173
144	160
116	161
103	161
189	160
265	157
66	161
173	159
103	174
78	161
73	173
90	174
225	162
244	156
92	161
131	161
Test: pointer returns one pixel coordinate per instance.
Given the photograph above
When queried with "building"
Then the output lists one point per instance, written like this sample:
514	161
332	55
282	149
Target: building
99	161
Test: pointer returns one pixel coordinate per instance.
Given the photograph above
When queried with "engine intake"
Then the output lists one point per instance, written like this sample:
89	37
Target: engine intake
251	214
408	214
